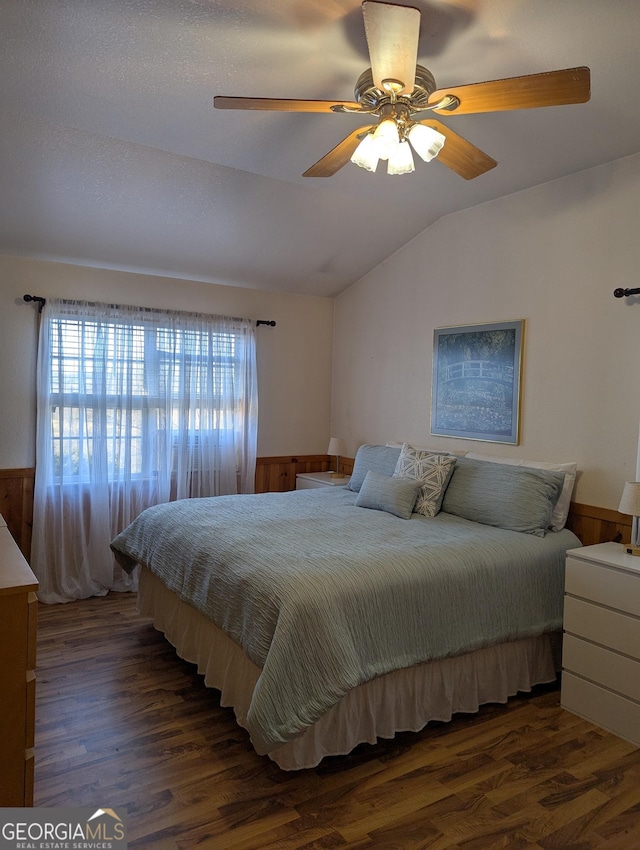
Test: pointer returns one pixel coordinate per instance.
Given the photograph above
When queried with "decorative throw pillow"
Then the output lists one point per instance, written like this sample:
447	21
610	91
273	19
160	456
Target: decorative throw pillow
432	470
395	496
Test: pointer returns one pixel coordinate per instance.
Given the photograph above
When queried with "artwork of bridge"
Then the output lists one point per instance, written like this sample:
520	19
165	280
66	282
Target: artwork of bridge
486	370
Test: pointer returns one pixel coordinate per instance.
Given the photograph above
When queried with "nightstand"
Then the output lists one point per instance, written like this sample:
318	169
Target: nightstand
601	644
309	480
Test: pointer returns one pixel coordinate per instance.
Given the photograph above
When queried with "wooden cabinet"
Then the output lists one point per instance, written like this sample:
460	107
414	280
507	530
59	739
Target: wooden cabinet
601	645
18	619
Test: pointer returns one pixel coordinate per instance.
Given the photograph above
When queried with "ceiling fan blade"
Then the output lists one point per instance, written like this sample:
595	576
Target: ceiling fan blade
392	36
460	155
339	156
553	88
284	105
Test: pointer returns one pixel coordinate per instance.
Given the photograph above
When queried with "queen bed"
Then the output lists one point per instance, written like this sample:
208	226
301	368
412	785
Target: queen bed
331	617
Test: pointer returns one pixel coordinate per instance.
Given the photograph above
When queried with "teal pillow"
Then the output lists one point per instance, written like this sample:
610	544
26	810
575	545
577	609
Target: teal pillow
395	496
381	459
516	498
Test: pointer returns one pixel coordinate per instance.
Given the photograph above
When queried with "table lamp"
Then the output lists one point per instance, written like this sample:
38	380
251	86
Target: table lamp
630	504
337	447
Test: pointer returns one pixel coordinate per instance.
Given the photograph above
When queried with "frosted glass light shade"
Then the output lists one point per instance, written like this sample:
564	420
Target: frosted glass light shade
426	141
366	154
401	160
386	138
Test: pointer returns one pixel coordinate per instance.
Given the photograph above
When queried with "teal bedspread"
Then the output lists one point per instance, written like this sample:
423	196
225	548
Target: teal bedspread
323	595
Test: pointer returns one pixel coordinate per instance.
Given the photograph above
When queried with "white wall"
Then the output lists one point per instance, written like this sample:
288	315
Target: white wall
551	255
294	358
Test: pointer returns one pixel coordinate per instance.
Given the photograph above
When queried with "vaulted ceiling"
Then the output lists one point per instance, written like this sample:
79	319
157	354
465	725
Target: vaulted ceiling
112	154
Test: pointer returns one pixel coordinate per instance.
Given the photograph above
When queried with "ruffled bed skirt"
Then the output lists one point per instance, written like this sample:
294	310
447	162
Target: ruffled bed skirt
404	700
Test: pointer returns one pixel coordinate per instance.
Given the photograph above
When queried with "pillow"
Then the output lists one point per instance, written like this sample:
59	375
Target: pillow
517	498
432	470
381	459
396	496
561	510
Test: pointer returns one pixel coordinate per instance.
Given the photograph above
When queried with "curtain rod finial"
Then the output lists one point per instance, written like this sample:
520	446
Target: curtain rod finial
41	301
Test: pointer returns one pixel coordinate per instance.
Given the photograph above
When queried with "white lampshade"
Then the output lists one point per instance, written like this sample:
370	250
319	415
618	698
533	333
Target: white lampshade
337	446
426	141
401	159
630	501
366	154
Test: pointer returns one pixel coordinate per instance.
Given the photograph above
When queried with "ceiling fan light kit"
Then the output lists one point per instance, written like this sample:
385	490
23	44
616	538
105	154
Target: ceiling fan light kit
395	89
392	140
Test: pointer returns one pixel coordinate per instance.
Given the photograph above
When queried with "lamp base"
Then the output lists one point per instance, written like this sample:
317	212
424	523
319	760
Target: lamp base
342	475
629	549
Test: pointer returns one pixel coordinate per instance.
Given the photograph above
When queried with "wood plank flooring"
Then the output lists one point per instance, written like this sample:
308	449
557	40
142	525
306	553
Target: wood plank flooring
121	721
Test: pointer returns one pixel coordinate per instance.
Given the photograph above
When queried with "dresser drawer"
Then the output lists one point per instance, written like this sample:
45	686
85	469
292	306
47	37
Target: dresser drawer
602	625
613	671
32	630
602	707
604	585
29	777
30	710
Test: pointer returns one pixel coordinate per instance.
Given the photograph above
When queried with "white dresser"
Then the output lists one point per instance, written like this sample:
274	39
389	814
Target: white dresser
601	645
308	480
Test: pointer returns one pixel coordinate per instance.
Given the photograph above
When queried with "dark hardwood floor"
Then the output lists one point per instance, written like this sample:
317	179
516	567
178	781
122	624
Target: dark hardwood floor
121	721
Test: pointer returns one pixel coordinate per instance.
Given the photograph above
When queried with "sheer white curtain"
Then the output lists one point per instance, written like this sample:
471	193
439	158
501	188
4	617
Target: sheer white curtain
135	407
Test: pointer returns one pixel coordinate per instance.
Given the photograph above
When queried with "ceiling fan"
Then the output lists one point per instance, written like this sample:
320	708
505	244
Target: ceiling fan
396	91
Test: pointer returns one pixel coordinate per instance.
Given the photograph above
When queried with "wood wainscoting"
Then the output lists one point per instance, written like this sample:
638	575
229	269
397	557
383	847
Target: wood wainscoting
278	474
598	525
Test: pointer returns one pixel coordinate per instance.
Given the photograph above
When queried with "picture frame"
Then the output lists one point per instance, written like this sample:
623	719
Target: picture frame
476	387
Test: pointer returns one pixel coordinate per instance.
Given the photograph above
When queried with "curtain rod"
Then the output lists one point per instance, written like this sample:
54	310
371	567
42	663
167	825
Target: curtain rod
624	293
42	301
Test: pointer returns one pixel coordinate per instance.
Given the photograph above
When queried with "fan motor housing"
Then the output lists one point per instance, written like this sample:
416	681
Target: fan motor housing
371	98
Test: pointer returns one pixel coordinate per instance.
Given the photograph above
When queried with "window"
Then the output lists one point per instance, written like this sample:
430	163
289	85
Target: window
135	407
133	384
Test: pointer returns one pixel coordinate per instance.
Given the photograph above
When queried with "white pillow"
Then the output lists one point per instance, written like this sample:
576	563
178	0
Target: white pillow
561	509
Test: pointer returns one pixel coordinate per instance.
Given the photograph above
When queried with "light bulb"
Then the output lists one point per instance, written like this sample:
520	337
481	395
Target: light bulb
401	160
366	155
426	141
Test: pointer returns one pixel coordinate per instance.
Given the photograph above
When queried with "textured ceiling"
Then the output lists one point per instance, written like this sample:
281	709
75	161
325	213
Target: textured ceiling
111	153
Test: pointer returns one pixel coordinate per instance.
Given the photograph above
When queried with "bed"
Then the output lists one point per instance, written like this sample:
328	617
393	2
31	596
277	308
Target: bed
331	617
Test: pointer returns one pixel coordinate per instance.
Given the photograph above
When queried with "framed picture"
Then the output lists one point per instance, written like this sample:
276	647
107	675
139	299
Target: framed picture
476	381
